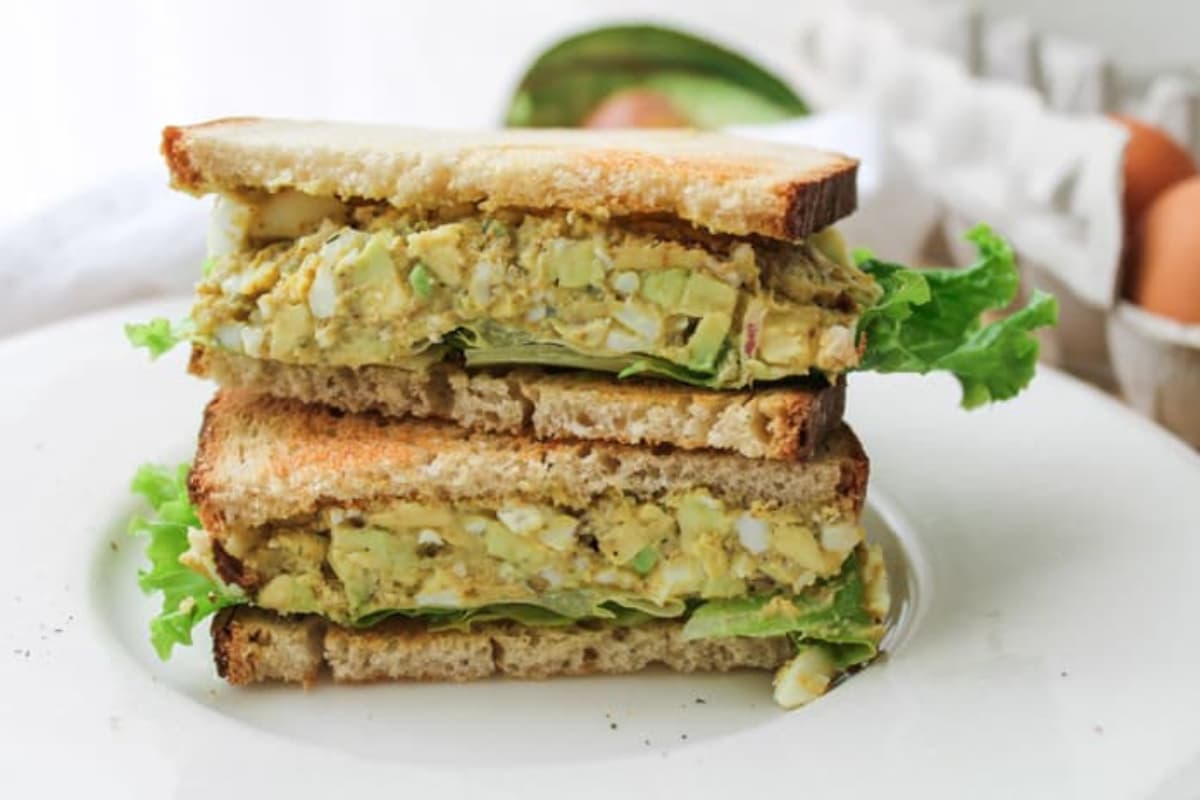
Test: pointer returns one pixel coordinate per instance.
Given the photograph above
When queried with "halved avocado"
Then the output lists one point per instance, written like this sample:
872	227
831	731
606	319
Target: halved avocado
711	85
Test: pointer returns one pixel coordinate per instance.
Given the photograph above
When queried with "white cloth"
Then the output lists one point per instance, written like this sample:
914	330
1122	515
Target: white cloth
130	238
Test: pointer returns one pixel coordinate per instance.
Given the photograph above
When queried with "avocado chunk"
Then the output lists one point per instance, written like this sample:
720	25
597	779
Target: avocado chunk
575	264
829	243
440	249
665	287
624	541
721	584
645	560
699	514
364	558
290	593
412	516
290	326
704	295
363	347
374	275
421	280
797	543
514	548
707	341
787	337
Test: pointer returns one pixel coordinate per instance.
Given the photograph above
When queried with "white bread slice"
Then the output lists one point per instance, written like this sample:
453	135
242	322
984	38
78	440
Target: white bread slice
785	423
251	645
718	182
263	459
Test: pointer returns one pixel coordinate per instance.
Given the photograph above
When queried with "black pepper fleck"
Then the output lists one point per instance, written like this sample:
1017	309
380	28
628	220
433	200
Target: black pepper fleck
612	726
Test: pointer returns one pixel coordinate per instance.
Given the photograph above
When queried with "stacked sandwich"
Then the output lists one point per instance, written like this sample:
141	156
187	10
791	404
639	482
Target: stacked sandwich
524	404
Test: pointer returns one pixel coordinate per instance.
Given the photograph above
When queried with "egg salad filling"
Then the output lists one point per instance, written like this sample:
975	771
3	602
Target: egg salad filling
315	281
618	554
804	574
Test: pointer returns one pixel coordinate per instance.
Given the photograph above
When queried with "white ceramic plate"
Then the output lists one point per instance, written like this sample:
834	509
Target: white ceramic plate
1048	553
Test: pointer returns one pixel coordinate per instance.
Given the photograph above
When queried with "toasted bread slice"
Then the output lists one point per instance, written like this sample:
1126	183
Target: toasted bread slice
713	181
264	459
785	423
251	645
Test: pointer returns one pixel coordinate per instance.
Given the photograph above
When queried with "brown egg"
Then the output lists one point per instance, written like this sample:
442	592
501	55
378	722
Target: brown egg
1153	162
1165	260
636	108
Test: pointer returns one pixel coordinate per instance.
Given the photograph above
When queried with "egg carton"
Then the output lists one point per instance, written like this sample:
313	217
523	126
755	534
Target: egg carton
1000	123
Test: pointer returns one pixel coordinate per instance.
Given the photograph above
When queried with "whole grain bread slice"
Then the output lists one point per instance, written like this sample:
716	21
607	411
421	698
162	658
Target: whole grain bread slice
252	645
263	459
722	183
785	423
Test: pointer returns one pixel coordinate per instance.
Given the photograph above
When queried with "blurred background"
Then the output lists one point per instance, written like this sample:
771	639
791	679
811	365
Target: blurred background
1072	128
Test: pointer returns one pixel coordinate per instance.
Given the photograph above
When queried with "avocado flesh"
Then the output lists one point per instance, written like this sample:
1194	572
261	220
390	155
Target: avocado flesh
379	286
655	557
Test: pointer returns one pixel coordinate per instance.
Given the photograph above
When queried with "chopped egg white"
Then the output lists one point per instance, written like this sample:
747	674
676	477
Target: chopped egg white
840	537
805	678
322	293
521	519
428	536
752	533
625	283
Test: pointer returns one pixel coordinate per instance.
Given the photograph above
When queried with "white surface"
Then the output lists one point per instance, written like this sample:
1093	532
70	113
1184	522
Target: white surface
1053	653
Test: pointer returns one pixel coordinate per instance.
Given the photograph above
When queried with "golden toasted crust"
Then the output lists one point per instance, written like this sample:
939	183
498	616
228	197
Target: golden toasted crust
263	459
784	423
251	645
722	183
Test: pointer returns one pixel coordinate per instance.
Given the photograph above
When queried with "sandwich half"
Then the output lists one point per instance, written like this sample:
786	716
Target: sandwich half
365	267
377	548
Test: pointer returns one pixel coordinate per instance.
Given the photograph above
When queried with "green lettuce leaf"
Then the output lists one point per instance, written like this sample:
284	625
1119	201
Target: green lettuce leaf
534	616
929	320
188	597
832	615
553	608
661	368
554	355
159	335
